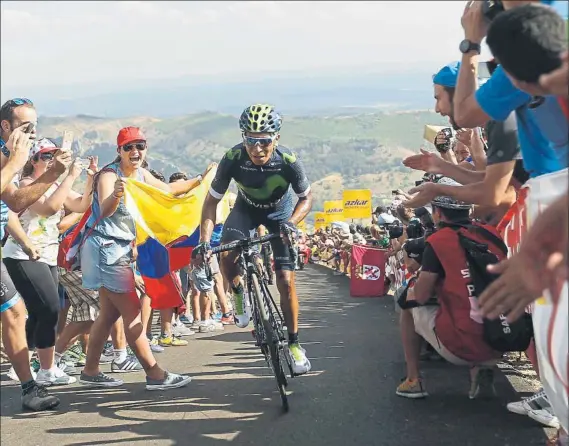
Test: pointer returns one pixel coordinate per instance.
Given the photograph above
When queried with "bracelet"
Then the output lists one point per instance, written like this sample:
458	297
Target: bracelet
116	196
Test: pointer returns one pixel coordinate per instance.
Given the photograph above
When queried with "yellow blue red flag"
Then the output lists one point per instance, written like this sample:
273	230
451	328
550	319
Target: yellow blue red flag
167	230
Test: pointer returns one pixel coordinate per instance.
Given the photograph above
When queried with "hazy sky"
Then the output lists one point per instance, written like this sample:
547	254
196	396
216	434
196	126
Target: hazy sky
47	43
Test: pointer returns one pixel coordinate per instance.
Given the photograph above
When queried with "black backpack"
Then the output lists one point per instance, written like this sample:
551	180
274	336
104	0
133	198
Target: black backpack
499	334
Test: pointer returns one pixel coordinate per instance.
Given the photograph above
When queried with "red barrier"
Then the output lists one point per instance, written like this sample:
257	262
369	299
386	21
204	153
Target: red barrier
367	271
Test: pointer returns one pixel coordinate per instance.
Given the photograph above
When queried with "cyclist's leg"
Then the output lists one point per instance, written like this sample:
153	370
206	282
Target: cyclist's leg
238	225
285	278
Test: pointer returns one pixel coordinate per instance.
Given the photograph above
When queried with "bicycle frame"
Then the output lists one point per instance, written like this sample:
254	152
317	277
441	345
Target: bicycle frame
267	318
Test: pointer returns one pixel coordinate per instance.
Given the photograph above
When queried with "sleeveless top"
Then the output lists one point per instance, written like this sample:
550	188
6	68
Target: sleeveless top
120	225
42	232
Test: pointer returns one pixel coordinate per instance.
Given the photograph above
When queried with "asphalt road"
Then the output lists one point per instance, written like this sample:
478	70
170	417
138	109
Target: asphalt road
349	398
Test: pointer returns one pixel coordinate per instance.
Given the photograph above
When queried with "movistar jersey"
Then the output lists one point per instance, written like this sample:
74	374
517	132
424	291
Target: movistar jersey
263	187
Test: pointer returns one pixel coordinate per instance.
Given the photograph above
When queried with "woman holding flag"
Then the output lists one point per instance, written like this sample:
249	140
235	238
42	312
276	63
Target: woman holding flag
107	256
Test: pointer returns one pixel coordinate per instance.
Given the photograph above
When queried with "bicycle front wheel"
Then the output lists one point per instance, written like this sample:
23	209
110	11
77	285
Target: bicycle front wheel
272	340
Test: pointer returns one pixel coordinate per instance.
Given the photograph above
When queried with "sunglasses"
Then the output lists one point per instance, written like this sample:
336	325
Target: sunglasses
45	156
138	146
19	101
263	142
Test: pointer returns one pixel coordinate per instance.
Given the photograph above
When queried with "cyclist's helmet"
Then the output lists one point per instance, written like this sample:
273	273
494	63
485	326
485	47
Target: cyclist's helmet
260	118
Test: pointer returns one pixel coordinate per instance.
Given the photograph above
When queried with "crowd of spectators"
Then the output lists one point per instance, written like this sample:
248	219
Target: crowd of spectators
499	172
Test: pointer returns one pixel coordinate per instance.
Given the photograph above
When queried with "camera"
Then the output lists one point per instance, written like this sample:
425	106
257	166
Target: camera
491	8
395	230
444	146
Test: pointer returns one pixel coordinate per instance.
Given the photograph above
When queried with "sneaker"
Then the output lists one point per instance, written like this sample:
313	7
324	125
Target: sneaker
108	355
537	401
82	360
545	416
186	320
482	384
73	354
38	398
154	346
54	377
242	313
100	380
170	381
12	374
217	316
35	365
66	367
195	327
298	359
171	341
206	328
180	330
411	389
227	320
338	273
130	364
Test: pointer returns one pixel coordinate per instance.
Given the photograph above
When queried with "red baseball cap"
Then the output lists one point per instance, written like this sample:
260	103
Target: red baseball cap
128	135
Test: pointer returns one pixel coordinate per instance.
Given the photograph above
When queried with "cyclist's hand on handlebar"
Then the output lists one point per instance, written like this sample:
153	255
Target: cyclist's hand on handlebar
289	233
203	252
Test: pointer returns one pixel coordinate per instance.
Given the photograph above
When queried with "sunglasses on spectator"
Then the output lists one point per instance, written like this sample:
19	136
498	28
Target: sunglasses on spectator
263	141
45	156
138	146
19	101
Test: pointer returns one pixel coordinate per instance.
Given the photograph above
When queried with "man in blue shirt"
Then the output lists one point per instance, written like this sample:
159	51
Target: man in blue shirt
544	142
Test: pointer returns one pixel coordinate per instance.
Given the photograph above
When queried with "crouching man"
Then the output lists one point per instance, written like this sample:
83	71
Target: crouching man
453	327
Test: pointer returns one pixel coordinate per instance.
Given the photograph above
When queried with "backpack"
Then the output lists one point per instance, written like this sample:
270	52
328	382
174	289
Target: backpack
499	334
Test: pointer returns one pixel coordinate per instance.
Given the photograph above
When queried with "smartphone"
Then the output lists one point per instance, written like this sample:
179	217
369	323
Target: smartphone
67	140
30	128
486	69
394	192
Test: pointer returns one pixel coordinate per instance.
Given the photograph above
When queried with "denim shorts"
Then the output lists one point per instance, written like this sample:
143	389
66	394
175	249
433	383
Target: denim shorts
107	262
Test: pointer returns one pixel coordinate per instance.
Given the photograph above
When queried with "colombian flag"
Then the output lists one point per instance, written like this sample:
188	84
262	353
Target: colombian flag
167	230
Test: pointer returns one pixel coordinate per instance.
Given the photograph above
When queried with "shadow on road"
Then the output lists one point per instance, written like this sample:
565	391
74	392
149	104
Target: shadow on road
349	397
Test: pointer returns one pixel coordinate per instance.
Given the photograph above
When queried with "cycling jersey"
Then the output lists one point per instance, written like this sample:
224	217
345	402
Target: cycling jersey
266	195
262	187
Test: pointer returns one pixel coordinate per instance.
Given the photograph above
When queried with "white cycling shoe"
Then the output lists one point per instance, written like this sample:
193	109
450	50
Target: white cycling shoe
298	359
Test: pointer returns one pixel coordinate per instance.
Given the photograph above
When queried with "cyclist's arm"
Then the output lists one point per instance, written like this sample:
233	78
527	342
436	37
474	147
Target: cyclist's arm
301	187
217	190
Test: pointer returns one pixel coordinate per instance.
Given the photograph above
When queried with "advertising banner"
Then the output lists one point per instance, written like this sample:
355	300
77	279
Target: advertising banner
356	203
334	211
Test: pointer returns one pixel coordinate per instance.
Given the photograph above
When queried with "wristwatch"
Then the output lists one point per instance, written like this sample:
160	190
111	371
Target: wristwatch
199	178
466	46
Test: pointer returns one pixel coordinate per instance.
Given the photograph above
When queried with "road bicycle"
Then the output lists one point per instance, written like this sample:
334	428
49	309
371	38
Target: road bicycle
267	318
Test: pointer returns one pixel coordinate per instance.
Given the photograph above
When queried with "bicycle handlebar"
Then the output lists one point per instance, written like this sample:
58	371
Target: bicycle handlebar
243	243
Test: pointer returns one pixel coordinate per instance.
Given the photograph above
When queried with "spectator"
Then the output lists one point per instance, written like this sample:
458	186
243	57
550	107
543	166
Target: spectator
36	280
491	188
106	258
528	42
16	115
543	131
454	328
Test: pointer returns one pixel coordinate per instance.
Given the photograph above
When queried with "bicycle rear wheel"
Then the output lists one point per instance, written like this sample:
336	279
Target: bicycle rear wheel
272	340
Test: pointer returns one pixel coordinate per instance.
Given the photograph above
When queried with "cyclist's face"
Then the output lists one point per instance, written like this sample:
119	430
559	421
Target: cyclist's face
260	146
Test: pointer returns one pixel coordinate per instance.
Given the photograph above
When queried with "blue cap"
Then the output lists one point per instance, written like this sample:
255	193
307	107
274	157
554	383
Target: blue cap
447	75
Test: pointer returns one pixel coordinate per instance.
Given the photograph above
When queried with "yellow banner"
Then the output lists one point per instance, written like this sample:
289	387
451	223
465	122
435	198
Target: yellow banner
319	220
357	203
334	211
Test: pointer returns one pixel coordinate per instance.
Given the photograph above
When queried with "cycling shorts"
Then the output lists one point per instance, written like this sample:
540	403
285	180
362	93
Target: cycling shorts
244	220
8	294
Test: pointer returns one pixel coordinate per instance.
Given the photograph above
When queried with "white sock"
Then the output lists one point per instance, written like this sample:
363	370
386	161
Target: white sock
120	354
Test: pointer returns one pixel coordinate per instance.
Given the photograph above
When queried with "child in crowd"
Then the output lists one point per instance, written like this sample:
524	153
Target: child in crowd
204	285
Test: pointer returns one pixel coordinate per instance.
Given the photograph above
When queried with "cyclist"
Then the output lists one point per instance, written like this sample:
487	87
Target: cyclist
266	175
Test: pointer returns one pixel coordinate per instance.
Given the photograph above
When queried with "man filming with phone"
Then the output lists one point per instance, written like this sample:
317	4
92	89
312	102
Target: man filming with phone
18	120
